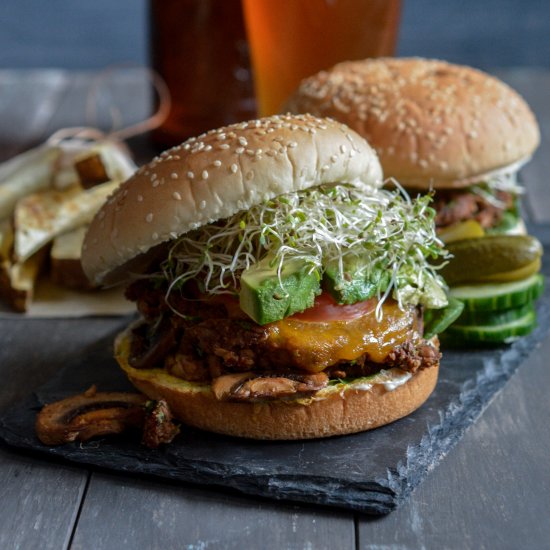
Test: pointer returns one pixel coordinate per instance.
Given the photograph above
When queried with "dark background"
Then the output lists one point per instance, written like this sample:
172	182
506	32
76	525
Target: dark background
80	34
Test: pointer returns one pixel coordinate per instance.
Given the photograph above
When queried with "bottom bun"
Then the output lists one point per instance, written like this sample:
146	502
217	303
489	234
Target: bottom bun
338	410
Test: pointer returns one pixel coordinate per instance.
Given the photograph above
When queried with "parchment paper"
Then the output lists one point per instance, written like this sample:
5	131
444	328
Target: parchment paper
52	301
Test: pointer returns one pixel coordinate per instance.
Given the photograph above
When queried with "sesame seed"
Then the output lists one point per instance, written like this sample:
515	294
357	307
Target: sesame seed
243	141
239	150
202	205
190	175
224	146
156	183
174	176
155	236
217	163
204	174
208	148
292	144
140	198
149	217
234	168
176	195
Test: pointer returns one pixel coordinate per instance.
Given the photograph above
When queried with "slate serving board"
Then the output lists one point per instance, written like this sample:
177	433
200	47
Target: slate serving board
371	472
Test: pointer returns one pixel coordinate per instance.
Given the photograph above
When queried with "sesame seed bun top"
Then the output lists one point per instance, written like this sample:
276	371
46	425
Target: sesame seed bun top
431	122
216	175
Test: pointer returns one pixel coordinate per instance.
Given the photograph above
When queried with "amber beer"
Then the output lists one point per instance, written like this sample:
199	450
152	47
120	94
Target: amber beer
199	47
292	39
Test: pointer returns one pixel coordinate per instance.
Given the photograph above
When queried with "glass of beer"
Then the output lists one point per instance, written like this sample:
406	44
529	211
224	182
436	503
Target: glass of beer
199	48
293	39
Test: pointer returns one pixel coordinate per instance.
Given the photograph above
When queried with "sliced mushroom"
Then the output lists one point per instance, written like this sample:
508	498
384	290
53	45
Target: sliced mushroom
265	388
88	415
224	386
159	426
250	387
151	344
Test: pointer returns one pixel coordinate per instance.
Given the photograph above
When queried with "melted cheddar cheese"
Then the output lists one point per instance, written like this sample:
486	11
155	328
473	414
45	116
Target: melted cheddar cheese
314	346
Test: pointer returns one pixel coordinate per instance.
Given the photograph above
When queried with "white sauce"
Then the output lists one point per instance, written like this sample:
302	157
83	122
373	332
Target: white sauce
391	379
362	386
397	381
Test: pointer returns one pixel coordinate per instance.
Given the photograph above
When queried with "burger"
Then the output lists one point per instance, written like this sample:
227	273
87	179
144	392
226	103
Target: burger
280	288
435	126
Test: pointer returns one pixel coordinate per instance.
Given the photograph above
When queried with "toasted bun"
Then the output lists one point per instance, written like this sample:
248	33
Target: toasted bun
431	122
217	175
329	413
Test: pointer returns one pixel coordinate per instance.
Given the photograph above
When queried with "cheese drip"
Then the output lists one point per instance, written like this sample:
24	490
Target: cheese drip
314	346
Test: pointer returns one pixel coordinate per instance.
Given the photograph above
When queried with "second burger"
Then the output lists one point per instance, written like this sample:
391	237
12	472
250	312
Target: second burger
462	135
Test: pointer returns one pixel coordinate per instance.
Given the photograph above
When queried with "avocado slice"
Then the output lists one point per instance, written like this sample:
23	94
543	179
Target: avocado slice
264	299
356	284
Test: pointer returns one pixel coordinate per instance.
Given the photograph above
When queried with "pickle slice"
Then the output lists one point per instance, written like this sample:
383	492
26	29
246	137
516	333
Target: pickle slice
486	334
494	318
499	296
492	258
516	274
470	229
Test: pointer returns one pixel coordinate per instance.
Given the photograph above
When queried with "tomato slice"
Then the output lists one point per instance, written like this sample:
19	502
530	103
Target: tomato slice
326	308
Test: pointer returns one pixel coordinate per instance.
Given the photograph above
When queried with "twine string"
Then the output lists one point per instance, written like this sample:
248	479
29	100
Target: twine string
116	133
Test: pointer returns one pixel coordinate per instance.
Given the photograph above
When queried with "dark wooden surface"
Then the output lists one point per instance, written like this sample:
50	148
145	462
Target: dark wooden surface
491	491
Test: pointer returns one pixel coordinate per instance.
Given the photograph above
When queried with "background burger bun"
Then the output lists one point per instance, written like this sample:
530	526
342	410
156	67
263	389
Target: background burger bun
431	122
217	175
337	413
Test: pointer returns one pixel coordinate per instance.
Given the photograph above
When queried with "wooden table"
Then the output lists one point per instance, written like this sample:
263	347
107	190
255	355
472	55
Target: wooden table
491	491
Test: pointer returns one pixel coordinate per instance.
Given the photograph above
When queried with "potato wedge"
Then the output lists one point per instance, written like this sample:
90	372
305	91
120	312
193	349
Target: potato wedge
18	280
103	162
26	173
6	239
41	217
66	269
